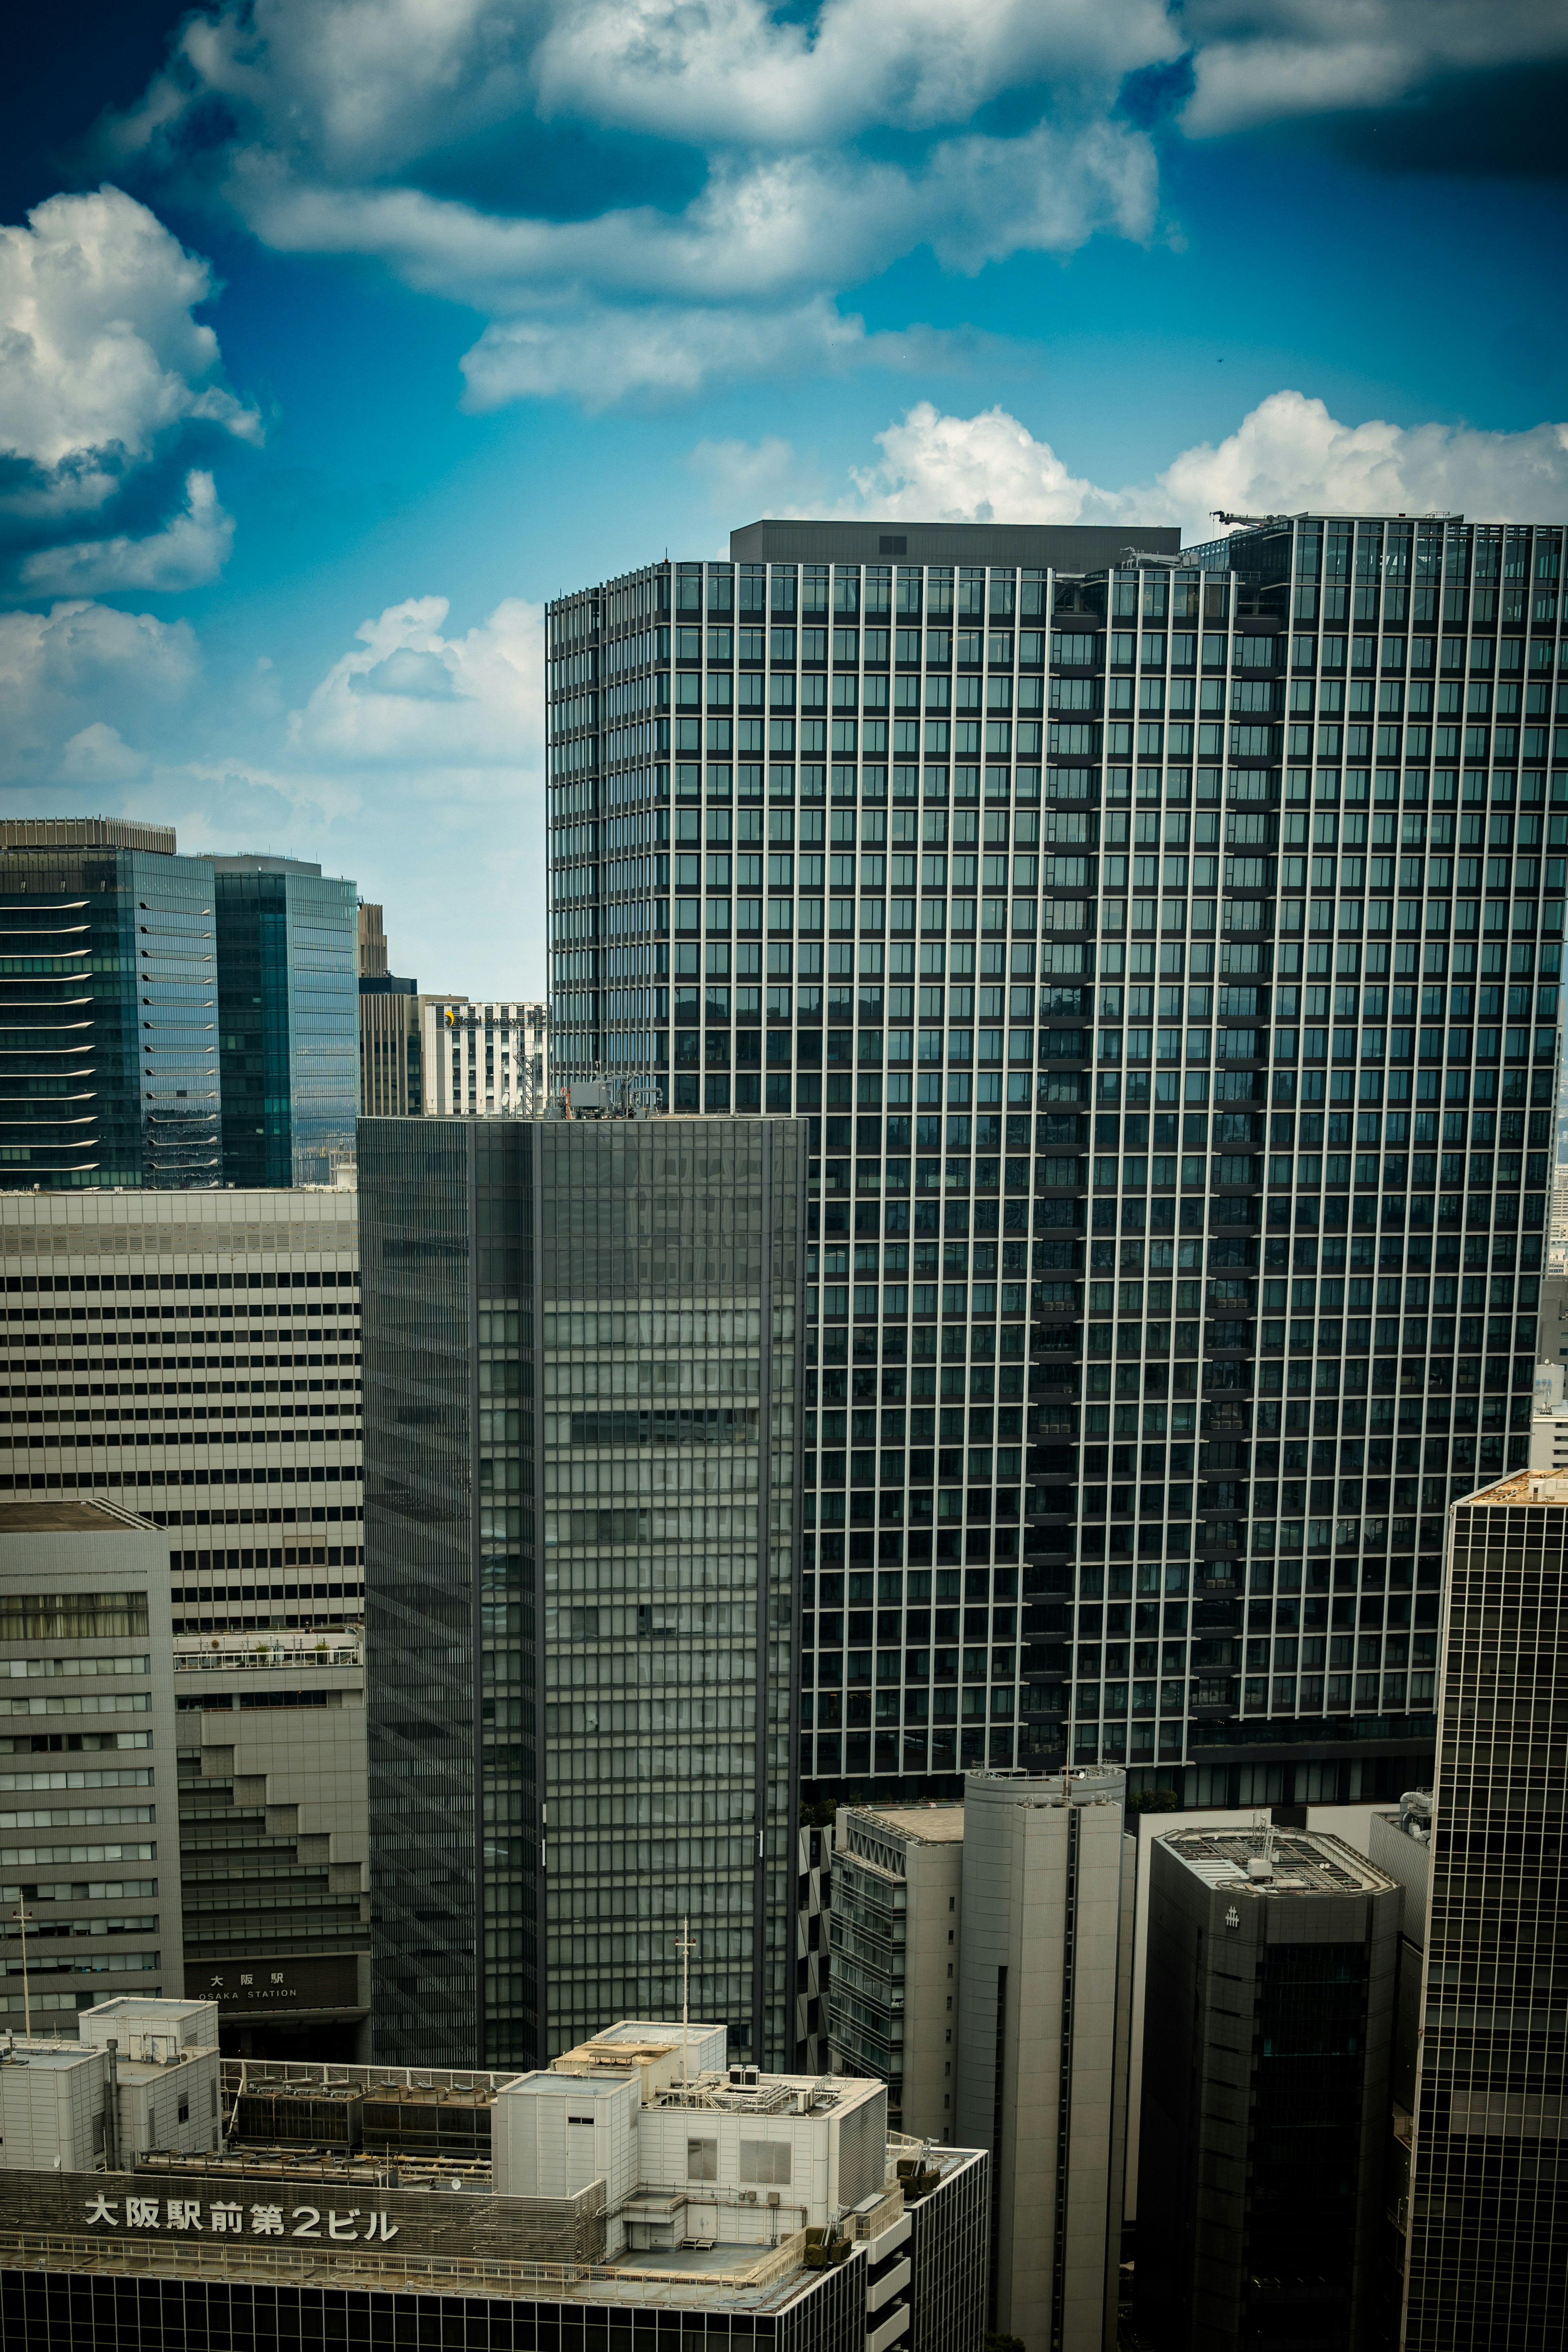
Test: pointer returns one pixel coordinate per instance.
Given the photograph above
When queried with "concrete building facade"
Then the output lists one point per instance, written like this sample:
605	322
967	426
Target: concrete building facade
485	1060
898	1886
90	1846
196	1356
275	1838
1044	2029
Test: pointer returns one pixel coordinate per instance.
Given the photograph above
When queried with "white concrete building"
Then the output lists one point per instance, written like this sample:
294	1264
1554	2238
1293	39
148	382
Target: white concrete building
89	1848
1045	2024
145	2075
484	1060
898	1886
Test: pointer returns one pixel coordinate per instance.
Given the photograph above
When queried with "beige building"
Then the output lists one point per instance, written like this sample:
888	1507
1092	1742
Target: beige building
982	1964
274	1839
196	1356
90	1849
1045	2028
390	1046
897	1911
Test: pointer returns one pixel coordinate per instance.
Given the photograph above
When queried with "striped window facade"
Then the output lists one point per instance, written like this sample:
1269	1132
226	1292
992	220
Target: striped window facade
1168	959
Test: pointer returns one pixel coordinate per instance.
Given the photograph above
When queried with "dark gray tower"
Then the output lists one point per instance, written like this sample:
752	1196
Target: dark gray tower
582	1514
1266	2040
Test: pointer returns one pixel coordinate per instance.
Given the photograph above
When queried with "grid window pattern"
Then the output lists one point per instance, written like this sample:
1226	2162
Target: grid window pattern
582	1491
1487	2249
1169	962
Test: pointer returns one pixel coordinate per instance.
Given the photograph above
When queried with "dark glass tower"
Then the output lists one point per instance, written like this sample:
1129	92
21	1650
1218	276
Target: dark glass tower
582	1513
1488	2210
109	1062
1266	2039
288	950
1166	959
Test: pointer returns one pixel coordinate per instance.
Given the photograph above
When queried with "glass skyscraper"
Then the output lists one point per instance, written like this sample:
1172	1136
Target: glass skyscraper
582	1505
109	1064
1484	2221
1165	959
288	950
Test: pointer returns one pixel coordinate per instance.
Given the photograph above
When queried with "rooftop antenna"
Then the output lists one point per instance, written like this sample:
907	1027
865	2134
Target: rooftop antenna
686	1946
25	1919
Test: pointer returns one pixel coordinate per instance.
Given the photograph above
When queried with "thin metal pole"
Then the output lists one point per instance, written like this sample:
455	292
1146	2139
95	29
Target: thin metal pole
684	1947
23	1914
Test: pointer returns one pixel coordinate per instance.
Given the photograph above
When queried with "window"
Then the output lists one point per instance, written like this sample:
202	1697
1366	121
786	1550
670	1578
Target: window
71	1616
702	2159
766	2160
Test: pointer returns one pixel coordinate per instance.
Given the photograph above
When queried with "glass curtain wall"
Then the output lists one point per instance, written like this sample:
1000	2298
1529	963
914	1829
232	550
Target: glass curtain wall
1167	963
616	1303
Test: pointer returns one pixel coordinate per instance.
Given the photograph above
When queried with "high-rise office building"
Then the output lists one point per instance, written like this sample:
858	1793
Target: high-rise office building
274	1836
196	1357
89	1839
1488	2236
108	1037
1268	2040
391	1057
484	1061
1167	960
581	1486
287	951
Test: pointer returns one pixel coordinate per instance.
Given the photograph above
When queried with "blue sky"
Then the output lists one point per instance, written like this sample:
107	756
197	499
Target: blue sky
336	335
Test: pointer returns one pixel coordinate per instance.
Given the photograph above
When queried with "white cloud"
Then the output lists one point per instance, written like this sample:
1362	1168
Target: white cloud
190	549
99	755
407	696
83	673
1287	455
100	355
1274	59
832	143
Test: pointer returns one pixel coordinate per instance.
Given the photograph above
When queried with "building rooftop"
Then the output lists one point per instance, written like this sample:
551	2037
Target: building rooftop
91	1515
931	1824
85	833
1523	1487
1270	1862
1062	546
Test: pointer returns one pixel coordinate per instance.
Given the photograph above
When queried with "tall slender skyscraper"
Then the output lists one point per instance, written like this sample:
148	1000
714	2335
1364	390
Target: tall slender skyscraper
1487	2213
288	953
1166	958
582	1483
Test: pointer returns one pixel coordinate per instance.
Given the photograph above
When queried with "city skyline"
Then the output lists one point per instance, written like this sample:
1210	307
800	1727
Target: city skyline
350	386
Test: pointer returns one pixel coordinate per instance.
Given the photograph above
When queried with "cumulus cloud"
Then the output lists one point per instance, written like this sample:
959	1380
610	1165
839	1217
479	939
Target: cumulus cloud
761	160
406	695
190	549
1272	60
102	363
1287	455
83	673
